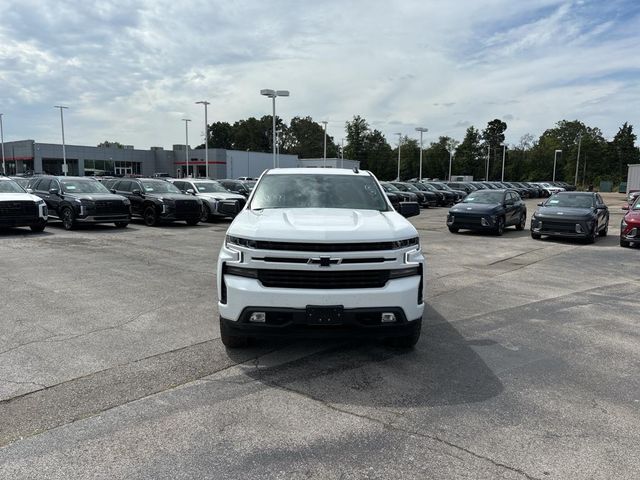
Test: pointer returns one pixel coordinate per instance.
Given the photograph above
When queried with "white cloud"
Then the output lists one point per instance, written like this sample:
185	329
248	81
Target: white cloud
131	70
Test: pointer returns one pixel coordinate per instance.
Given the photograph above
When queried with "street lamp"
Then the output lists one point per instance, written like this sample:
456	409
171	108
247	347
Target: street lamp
186	142
324	150
267	92
575	182
206	137
399	145
486	176
504	154
342	153
422	130
555	159
64	153
4	168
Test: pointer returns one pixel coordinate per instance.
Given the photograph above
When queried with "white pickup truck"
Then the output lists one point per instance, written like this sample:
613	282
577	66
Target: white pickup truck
319	252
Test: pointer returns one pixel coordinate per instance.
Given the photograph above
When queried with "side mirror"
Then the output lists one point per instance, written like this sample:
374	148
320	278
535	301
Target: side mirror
625	206
409	209
540	204
29	190
113	190
54	191
137	192
190	191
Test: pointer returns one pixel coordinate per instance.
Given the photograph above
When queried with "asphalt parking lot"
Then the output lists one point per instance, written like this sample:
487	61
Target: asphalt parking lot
111	365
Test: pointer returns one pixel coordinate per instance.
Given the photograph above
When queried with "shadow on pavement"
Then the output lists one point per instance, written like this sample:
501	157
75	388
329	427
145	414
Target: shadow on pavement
443	369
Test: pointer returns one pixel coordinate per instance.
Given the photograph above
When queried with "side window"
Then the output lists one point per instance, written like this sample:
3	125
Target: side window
181	185
43	185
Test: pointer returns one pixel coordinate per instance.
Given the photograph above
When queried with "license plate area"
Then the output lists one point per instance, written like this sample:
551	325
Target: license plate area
331	315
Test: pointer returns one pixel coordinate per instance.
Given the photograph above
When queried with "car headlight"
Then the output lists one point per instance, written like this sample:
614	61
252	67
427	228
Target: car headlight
241	242
40	202
623	224
126	202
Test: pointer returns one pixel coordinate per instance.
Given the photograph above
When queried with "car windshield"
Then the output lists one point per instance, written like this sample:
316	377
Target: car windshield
484	196
23	182
401	187
438	186
570	201
429	187
390	188
9	186
209	187
411	188
636	204
159	186
82	186
319	191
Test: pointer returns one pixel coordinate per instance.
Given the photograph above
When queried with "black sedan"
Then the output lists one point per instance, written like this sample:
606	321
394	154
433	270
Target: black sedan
490	210
426	198
571	214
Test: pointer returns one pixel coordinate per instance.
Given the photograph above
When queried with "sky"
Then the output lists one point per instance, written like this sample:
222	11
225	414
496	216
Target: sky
130	71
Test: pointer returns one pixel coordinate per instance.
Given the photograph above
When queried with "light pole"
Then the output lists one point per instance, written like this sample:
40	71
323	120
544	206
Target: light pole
4	168
486	177
342	152
248	162
422	130
186	142
555	160
399	145
64	153
267	92
504	154
324	149
575	182
206	138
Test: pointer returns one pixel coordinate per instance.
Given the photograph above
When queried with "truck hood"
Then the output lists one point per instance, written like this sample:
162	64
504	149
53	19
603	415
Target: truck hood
18	197
95	196
321	225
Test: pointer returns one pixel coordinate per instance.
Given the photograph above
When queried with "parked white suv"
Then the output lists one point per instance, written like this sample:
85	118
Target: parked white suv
320	252
19	208
217	201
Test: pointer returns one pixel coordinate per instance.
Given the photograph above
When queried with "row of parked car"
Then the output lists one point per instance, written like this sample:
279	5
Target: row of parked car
580	215
74	200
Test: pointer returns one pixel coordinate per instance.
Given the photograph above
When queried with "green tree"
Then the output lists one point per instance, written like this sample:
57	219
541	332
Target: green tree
357	131
307	139
469	158
379	155
493	137
220	136
436	164
108	144
622	152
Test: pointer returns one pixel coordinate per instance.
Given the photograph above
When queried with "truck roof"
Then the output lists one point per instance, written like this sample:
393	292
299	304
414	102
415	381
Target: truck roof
316	171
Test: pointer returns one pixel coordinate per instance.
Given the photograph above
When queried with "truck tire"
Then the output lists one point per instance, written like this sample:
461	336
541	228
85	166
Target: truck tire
409	341
229	340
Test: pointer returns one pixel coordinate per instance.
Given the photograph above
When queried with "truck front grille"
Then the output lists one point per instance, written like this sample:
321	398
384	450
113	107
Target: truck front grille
18	209
323	280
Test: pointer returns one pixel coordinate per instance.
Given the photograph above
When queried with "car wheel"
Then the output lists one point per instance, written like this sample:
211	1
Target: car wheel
454	229
523	222
231	341
625	243
604	231
193	221
408	341
206	213
68	218
591	238
150	216
536	236
38	227
121	224
500	226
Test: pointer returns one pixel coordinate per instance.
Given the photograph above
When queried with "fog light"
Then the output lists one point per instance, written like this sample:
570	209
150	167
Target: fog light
258	317
484	222
579	228
388	317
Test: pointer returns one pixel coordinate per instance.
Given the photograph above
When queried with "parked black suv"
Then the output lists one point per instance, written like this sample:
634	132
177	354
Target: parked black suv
157	201
81	200
491	210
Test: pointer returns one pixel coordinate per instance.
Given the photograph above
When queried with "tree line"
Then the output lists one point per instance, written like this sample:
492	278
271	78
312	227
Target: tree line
479	152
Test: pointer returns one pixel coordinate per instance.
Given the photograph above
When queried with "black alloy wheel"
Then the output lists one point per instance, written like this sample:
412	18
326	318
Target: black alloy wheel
500	226
150	216
206	213
68	218
522	223
229	340
38	227
591	238
605	230
454	229
193	221
535	236
409	341
625	243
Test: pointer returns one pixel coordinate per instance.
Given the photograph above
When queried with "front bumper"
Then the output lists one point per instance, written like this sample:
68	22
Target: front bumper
468	222
294	322
570	228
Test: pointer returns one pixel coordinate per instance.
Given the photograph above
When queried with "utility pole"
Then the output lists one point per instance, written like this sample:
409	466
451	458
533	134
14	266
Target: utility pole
422	130
399	145
4	168
578	159
504	154
186	142
65	169
486	176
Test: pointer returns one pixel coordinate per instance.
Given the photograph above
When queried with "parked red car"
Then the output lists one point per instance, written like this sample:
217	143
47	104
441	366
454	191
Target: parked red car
630	226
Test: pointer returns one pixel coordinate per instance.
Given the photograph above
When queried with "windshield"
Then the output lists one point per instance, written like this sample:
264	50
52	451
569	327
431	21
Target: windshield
437	186
412	188
159	186
401	187
484	196
82	186
429	187
319	191
390	188
209	187
9	186
570	201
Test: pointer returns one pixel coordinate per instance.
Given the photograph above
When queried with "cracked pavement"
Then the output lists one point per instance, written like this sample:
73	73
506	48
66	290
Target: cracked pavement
111	366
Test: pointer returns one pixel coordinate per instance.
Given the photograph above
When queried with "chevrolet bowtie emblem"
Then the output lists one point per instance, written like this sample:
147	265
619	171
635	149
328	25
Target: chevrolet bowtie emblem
324	261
